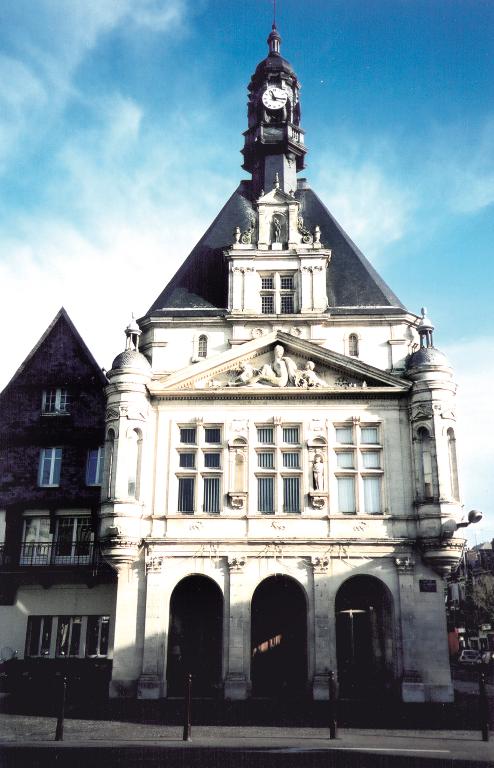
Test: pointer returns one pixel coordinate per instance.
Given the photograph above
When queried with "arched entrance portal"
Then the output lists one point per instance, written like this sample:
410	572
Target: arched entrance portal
364	637
278	638
195	637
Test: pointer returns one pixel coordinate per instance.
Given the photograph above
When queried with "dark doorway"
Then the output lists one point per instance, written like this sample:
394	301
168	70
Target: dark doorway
364	637
278	638
195	637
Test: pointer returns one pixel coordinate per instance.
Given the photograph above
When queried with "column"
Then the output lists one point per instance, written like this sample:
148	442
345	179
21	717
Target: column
324	629
412	687
151	681
237	681
125	668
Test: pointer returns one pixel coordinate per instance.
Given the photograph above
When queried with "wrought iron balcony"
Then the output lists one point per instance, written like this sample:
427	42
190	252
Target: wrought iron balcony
39	554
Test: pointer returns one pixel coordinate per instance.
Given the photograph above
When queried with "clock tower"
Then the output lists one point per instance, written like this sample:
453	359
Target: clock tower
274	148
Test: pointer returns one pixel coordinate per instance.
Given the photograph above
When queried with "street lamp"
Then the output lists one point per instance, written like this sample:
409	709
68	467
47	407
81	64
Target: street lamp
474	516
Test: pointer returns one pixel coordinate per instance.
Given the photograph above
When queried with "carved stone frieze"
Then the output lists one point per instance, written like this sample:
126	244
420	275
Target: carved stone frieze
404	564
320	564
237	499
318	499
154	563
421	412
237	564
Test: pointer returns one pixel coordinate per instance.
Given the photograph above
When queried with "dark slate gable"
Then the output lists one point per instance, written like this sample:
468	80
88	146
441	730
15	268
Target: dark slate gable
201	284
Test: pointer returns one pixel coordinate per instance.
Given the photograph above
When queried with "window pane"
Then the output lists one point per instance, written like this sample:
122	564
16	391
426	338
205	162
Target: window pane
369	435
290	435
49	399
267	305
267	283
353	345
75	636
65	534
345	459
211	494
372	495
344	435
265	435
186	494
92	636
346	495
212	435
202	347
104	635
64	404
291	460
286	282
265	460
94	466
57	463
187	460
291	494
371	459
188	435
212	460
265	494
287	307
33	633
63	636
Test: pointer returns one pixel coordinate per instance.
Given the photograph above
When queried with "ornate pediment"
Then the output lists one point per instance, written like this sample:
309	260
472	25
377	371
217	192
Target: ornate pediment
277	362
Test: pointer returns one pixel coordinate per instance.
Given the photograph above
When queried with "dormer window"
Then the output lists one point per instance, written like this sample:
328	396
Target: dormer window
278	294
202	346
353	345
55	402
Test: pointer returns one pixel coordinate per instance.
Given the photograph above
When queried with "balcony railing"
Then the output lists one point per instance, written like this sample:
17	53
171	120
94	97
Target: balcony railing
59	553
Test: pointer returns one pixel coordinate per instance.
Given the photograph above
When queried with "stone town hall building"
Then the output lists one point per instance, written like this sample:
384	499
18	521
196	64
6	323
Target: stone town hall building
279	493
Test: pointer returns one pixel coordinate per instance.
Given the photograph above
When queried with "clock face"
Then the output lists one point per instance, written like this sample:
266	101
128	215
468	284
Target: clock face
274	98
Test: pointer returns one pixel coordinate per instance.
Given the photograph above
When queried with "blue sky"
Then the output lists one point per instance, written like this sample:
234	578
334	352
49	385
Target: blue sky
120	131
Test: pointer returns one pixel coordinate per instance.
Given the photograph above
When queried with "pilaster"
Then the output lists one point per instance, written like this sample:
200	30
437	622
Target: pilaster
152	679
125	666
412	687
324	628
237	678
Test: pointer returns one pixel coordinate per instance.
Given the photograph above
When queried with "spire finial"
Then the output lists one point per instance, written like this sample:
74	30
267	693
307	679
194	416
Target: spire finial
274	39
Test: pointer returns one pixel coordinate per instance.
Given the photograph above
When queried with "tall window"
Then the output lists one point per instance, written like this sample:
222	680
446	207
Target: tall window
278	293
359	469
453	467
202	346
73	539
134	463
55	401
38	637
68	636
200	470
279	465
36	544
110	443
94	466
426	463
353	345
50	463
97	635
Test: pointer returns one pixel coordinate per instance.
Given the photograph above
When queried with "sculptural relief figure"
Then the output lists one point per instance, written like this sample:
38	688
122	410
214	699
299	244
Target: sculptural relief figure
247	374
282	370
308	378
318	472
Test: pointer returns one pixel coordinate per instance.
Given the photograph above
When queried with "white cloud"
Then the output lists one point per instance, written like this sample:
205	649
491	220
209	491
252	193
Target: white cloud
365	198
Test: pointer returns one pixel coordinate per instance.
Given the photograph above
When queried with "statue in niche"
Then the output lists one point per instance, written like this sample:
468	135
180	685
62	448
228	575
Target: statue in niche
318	472
276	229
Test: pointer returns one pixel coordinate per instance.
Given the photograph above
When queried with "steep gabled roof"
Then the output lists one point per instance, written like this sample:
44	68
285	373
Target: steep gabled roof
60	318
201	284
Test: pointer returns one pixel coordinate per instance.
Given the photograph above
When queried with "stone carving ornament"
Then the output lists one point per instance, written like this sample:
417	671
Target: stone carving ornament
281	372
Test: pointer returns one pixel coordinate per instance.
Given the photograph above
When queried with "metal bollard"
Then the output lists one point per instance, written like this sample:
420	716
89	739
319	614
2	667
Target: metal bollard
61	711
483	707
187	708
332	707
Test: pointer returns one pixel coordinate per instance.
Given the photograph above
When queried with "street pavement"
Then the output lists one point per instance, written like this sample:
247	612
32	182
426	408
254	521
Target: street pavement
29	741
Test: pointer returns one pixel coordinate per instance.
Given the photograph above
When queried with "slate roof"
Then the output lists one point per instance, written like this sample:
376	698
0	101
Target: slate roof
200	287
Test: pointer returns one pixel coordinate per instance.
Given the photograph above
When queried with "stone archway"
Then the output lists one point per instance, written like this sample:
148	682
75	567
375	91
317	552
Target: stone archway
364	637
278	638
195	637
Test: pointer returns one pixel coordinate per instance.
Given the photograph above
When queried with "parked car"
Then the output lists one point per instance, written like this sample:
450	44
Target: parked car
468	656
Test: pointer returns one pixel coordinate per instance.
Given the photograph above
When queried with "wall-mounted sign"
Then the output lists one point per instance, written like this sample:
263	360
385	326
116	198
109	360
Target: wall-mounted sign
485	627
428	585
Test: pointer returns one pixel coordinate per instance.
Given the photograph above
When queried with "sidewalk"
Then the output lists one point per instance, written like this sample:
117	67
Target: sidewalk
29	741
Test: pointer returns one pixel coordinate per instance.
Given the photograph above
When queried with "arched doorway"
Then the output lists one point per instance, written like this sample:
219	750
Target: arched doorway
278	638
364	637
195	637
